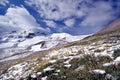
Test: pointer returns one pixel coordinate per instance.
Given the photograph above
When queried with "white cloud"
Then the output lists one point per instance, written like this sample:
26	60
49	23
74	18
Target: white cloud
70	22
18	18
48	30
50	23
4	2
98	12
61	29
90	13
99	15
56	9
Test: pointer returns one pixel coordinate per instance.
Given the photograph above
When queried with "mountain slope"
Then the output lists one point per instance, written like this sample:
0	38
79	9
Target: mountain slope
92	58
112	27
19	43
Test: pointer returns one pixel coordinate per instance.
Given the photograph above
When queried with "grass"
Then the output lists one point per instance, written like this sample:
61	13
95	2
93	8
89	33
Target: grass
116	53
90	63
99	50
114	70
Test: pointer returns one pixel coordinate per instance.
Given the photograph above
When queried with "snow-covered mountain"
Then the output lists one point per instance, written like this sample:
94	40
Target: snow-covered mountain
32	47
21	34
26	42
96	57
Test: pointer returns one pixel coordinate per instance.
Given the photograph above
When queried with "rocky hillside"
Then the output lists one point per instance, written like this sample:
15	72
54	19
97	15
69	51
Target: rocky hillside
96	57
112	27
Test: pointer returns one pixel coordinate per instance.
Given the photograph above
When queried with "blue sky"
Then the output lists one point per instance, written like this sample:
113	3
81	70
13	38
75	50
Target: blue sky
71	16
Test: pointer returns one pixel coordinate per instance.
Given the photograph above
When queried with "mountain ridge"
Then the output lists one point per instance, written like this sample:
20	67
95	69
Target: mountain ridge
16	43
93	57
113	26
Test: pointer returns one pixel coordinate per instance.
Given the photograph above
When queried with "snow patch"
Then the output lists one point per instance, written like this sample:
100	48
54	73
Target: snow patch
52	61
98	71
44	78
67	65
48	69
33	76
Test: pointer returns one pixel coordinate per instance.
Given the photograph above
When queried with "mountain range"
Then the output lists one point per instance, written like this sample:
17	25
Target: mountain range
63	57
16	42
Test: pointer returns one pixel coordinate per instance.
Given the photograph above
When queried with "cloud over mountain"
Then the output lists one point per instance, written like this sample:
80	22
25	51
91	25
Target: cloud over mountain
4	2
18	18
90	13
70	16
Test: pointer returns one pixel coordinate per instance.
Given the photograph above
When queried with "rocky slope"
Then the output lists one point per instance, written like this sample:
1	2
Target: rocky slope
96	57
112	27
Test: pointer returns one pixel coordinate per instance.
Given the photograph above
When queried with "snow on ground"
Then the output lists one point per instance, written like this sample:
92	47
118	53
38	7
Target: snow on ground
36	48
52	61
52	40
16	57
15	43
32	41
110	77
57	71
98	71
63	51
114	62
33	76
117	59
39	73
67	37
16	72
69	53
107	64
6	45
47	45
67	65
55	39
48	69
44	78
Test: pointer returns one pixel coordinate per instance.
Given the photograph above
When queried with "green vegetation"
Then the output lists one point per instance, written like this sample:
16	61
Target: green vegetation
113	70
99	50
116	53
89	62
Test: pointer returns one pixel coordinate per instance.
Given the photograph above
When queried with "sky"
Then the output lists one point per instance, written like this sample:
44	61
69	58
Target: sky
76	17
